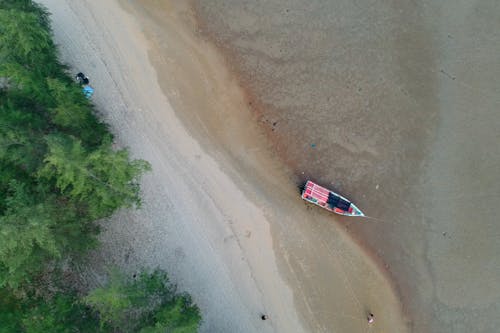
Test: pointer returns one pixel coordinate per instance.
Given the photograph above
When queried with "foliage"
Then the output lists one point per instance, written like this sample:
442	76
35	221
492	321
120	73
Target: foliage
177	316
111	302
32	233
25	40
146	304
73	115
10	312
58	172
102	180
60	313
58	175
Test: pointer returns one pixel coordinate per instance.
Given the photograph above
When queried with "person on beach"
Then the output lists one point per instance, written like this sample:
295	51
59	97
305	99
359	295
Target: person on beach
81	78
264	317
371	318
88	91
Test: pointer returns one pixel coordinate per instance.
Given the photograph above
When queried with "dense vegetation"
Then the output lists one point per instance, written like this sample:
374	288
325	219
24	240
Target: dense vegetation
58	175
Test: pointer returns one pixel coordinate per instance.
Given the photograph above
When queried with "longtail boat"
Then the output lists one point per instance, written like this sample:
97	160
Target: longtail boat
329	200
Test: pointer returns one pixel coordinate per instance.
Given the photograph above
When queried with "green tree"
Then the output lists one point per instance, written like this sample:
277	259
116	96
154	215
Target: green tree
146	304
28	6
177	316
25	238
102	179
58	313
58	174
25	39
34	232
22	147
26	84
11	311
73	114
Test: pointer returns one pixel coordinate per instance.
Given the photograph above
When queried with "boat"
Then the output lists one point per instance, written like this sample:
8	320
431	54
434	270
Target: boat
329	200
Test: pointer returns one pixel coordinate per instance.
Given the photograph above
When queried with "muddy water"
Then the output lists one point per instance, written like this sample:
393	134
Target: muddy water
394	104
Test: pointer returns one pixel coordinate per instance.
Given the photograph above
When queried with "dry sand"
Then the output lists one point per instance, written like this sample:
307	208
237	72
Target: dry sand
401	100
220	213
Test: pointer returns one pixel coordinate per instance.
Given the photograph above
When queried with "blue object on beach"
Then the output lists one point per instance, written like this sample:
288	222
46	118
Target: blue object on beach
313	145
88	91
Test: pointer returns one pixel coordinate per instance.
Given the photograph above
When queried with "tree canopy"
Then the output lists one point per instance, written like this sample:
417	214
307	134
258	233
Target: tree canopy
144	304
58	170
58	175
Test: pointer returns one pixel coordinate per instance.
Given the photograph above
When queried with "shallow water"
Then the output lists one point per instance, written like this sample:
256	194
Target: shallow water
395	105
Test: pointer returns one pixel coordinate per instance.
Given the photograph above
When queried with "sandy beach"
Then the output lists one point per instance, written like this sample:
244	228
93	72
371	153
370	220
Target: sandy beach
235	103
220	213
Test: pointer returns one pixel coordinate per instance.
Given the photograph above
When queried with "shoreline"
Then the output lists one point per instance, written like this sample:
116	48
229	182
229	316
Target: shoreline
356	233
252	106
257	110
232	258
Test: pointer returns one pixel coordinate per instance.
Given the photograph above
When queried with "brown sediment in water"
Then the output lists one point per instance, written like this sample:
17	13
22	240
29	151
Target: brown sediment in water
288	139
260	110
393	105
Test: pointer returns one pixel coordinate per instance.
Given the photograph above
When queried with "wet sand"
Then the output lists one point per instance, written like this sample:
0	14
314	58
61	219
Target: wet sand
220	213
395	105
335	284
